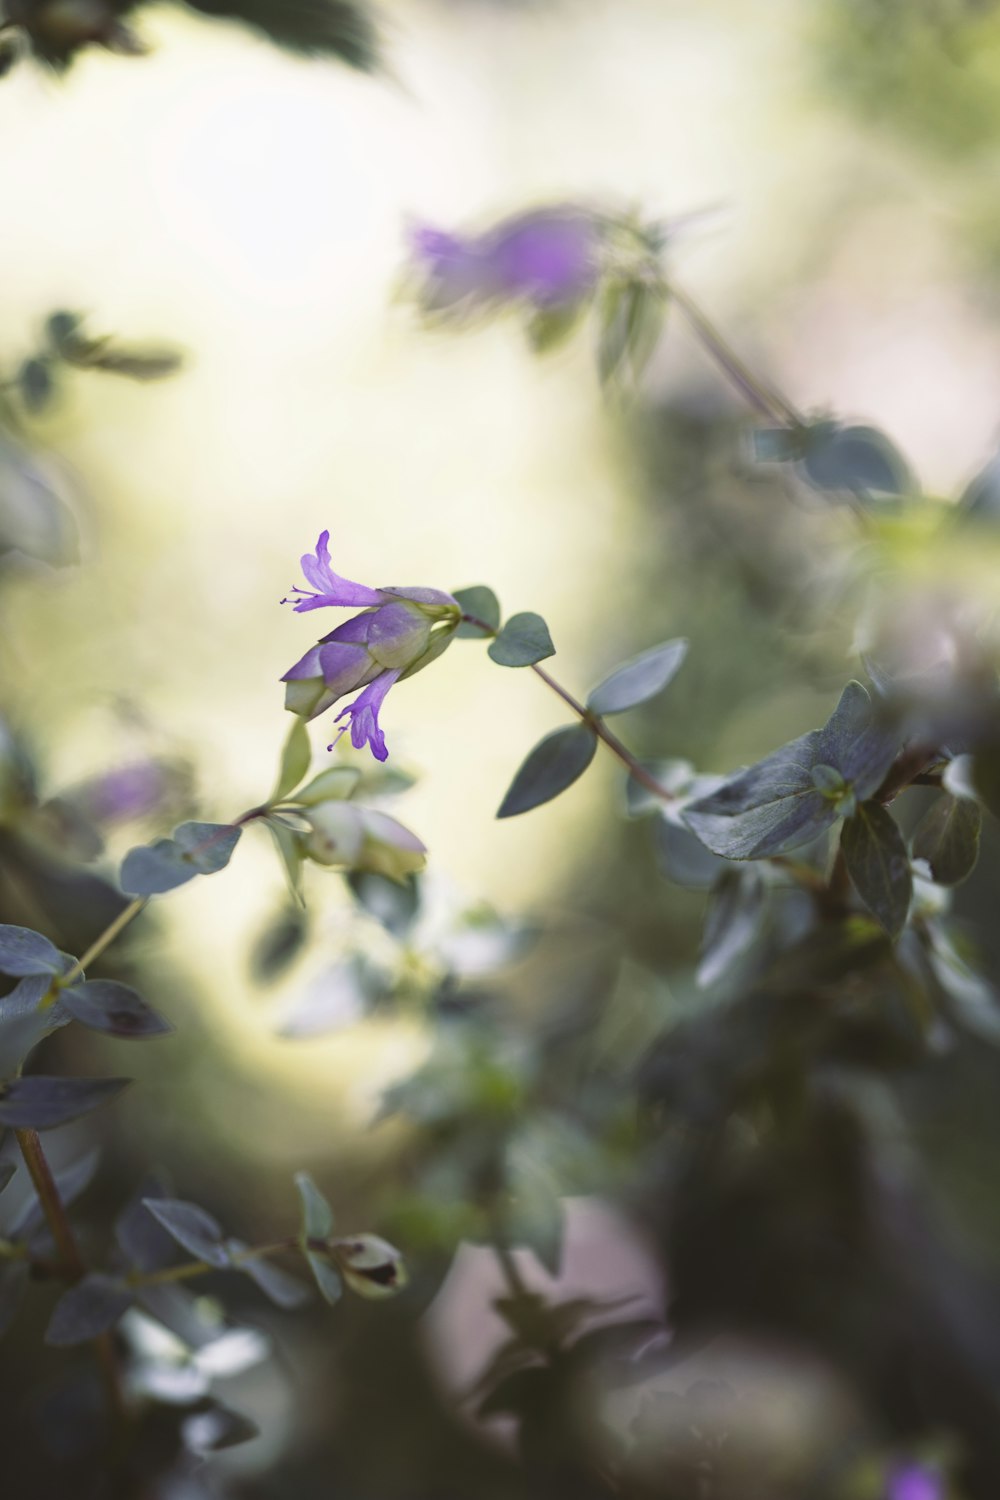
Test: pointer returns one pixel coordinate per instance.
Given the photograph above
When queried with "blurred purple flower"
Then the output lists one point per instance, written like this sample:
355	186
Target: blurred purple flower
131	790
400	631
915	1482
550	257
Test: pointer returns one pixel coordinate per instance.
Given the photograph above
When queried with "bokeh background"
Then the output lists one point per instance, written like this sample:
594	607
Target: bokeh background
251	209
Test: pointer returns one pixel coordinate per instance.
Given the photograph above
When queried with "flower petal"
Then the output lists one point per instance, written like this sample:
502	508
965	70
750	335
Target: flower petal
330	588
363	714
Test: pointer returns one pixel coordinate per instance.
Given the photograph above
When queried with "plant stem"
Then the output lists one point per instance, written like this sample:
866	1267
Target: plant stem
62	1232
634	767
203	1267
763	397
107	937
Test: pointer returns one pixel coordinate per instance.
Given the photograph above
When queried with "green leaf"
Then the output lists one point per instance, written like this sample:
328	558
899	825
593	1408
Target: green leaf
326	1277
344	29
295	758
24	952
548	327
193	1229
775	445
736	914
34	379
105	1005
291	851
482	604
87	1310
947	837
878	865
631	317
61	330
317	1215
38	1103
638	680
522	641
776	805
335	784
195	849
856	459
276	1284
554	764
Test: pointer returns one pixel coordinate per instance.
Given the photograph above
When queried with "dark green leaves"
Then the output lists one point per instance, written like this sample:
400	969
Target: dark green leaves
878	865
554	764
638	680
38	1103
630	319
947	838
835	458
316	1225
87	1310
194	1229
777	805
295	757
343	29
195	849
523	640
479	603
25	952
105	1005
856	459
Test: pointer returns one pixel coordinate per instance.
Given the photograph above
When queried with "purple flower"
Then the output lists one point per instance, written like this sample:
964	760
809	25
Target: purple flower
400	631
548	257
914	1482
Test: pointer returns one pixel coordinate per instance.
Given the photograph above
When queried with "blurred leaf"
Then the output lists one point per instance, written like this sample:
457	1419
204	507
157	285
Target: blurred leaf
857	459
630	317
523	641
775	445
775	805
482	604
295	757
638	680
332	785
35	383
534	1214
981	498
144	1242
554	764
393	903
61	329
317	1215
87	1310
878	865
35	519
38	1103
549	327
195	849
344	29
325	1275
132	364
70	1181
337	998
290	846
194	1229
947	837
24	952
277	1285
216	1428
105	1005
736	912
279	944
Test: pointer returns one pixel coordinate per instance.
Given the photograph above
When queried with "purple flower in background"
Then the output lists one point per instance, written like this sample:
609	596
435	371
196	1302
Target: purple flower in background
398	631
915	1482
549	257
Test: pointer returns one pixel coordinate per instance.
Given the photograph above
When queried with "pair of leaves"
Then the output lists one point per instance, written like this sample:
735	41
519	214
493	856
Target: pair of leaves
562	757
194	849
787	799
630	315
833	458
